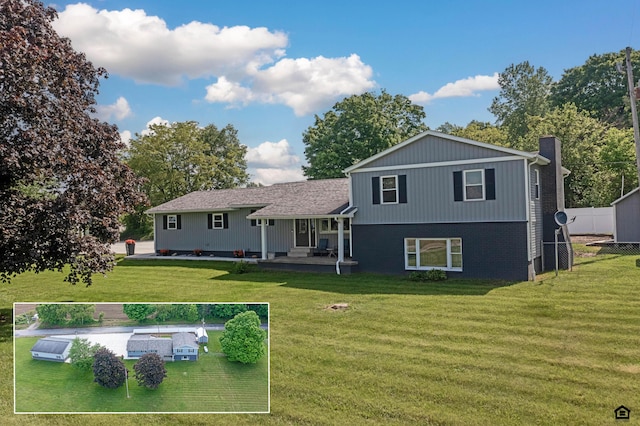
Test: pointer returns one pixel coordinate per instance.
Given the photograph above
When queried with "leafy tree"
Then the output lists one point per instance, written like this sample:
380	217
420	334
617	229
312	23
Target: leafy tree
598	87
182	157
242	339
150	371
82	352
63	187
524	91
185	311
138	311
54	313
477	131
582	138
357	128
228	310
108	370
262	310
617	161
81	313
163	312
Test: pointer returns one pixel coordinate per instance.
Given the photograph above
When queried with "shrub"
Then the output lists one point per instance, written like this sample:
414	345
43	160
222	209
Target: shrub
430	275
240	267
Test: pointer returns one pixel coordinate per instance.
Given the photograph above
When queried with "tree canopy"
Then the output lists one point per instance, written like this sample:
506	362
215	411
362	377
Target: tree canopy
82	352
150	371
242	339
108	370
356	128
63	186
138	311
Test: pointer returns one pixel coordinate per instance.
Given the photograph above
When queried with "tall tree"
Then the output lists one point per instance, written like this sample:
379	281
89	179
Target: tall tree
478	131
524	91
357	128
597	86
81	313
63	187
52	313
108	370
182	157
242	339
138	311
82	352
150	371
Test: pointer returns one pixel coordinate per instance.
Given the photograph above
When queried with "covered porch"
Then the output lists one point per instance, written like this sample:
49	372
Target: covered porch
309	264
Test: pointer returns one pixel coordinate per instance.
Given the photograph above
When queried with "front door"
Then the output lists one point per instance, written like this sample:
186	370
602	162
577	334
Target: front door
305	233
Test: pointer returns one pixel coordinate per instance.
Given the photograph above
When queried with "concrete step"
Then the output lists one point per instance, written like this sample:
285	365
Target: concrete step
300	252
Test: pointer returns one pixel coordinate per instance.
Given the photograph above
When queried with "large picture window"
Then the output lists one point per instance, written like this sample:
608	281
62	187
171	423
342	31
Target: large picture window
433	253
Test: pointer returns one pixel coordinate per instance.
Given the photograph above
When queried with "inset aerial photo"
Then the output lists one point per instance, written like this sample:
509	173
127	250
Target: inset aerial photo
141	358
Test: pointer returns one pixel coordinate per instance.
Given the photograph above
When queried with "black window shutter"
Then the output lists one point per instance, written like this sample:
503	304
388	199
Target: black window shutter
272	222
402	189
490	181
375	189
253	221
210	221
164	221
457	186
179	220
225	220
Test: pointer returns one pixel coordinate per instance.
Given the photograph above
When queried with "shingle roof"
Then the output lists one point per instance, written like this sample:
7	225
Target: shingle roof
184	339
51	345
145	343
294	199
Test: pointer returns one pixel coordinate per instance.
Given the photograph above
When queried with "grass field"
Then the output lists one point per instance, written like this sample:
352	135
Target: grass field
212	384
560	350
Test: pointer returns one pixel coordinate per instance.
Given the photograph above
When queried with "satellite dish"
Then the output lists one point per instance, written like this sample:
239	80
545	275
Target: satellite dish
561	218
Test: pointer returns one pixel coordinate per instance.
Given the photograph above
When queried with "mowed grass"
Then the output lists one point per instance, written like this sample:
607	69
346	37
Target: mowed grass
212	384
560	350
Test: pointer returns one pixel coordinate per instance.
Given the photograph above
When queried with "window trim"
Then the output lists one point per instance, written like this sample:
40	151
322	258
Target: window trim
450	254
174	223
536	184
483	184
325	228
396	189
215	221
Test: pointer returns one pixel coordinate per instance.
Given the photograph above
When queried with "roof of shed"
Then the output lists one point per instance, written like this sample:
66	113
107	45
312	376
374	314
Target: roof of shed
309	198
51	345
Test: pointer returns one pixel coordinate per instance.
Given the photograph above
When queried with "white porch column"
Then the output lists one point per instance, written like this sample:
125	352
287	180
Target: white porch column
340	239
263	238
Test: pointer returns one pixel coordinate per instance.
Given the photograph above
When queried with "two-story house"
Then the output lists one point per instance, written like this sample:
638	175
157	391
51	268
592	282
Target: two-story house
472	209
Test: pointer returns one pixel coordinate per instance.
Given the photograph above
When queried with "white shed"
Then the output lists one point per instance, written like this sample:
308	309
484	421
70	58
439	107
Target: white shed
51	349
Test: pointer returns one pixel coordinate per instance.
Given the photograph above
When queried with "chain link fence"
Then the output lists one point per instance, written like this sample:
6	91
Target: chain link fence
588	250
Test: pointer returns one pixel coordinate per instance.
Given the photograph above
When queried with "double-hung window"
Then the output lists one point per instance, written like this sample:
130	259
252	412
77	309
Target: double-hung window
473	185
433	253
172	221
217	221
536	184
389	188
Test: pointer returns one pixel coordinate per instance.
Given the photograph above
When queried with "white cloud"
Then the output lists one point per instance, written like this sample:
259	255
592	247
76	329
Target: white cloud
460	88
155	120
247	62
120	110
132	44
125	137
272	155
271	176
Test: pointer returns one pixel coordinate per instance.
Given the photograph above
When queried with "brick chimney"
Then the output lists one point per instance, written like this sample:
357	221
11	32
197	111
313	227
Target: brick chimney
552	200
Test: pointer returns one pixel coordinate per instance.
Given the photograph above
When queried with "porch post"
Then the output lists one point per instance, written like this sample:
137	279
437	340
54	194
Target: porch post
340	240
263	238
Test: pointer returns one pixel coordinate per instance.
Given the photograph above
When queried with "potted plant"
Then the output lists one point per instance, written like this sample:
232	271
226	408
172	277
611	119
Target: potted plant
197	252
238	253
164	252
131	246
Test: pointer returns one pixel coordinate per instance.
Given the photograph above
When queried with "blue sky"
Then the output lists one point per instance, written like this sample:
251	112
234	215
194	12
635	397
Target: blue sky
267	67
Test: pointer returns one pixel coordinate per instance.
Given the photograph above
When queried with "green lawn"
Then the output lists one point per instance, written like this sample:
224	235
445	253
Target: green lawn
562	350
211	384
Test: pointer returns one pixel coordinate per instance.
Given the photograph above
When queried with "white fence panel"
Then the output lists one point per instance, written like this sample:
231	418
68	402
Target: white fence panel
591	220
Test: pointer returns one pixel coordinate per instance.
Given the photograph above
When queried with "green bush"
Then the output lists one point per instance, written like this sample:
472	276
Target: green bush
241	267
430	275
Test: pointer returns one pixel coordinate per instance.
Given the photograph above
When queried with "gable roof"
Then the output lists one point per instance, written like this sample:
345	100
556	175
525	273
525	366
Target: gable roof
51	345
628	194
497	148
311	198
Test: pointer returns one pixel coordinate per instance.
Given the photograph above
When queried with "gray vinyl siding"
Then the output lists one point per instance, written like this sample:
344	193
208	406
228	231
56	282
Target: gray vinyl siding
432	149
627	213
239	236
430	196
